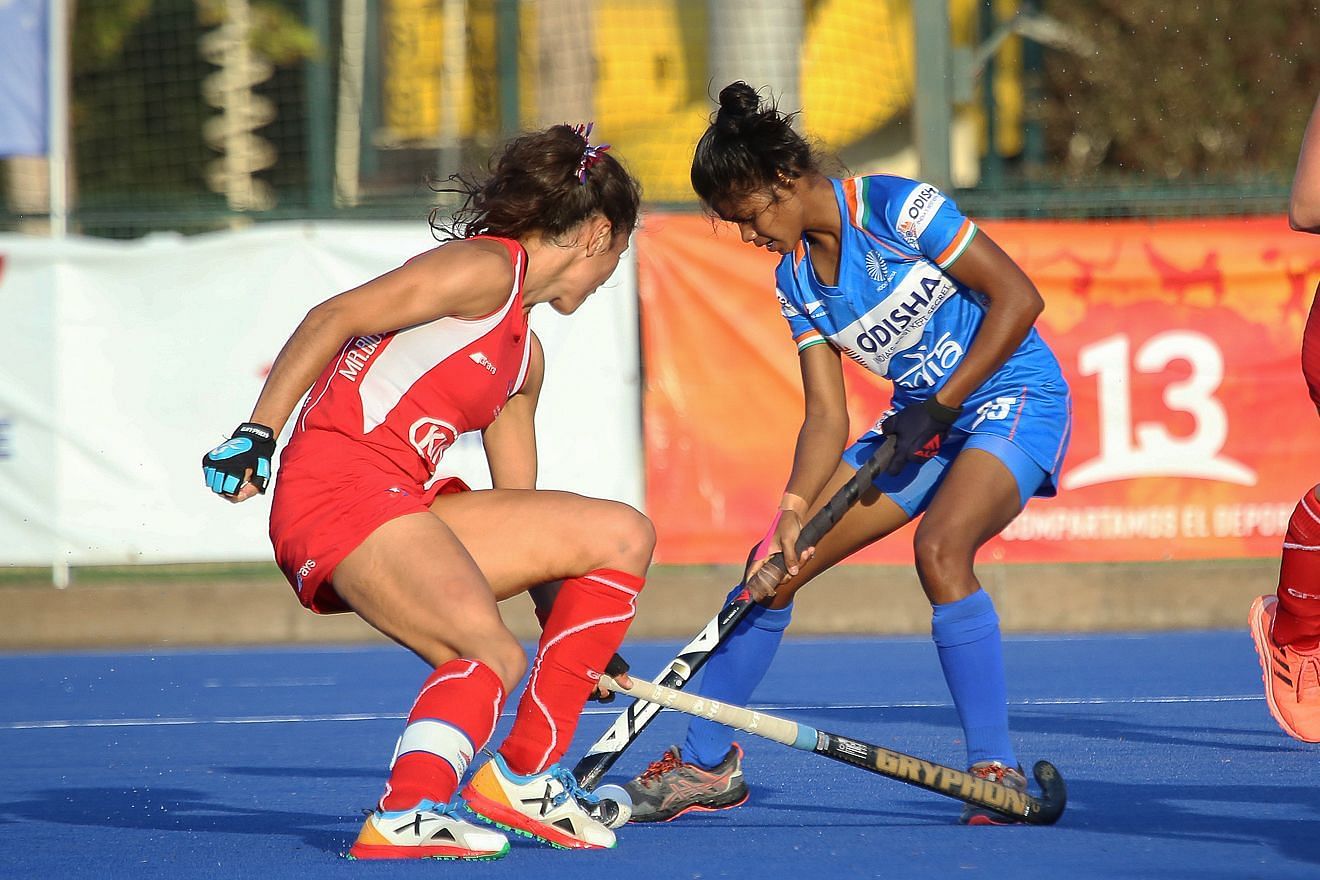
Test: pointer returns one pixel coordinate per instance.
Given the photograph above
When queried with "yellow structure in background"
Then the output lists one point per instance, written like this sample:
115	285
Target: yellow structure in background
647	60
411	34
414	90
965	28
858	67
650	92
650	97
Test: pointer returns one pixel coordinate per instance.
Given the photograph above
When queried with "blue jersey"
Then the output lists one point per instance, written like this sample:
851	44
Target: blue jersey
896	311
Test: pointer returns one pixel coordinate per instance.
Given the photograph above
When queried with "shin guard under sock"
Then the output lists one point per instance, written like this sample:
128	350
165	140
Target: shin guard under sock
588	621
966	633
732	674
453	716
1297	621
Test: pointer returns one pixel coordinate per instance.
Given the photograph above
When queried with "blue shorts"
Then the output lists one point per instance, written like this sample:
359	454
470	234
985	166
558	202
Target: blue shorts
913	487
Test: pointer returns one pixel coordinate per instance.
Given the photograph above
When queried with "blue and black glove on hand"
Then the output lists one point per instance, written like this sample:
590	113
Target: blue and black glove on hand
249	449
918	431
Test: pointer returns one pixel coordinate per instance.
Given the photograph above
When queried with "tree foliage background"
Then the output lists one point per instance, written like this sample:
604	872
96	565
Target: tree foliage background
1182	90
137	112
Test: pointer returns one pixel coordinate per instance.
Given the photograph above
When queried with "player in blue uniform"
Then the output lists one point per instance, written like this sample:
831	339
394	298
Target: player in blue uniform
886	271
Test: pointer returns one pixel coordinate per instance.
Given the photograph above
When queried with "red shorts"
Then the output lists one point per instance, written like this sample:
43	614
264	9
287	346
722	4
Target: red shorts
328	498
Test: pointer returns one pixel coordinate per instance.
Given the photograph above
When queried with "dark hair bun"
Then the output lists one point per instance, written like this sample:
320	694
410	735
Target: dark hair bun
739	103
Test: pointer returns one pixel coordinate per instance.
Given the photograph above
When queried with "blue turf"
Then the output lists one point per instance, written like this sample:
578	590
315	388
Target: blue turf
238	763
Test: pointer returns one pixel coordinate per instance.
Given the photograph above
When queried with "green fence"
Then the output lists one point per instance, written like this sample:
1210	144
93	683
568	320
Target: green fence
189	115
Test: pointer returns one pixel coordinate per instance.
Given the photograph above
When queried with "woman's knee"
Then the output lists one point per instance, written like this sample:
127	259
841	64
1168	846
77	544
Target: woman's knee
499	650
944	562
506	657
624	537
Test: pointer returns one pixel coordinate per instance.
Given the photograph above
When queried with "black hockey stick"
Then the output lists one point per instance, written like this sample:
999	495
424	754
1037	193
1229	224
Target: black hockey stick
629	723
957	784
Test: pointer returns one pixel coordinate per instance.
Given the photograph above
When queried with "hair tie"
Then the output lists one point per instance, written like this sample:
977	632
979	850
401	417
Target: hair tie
591	154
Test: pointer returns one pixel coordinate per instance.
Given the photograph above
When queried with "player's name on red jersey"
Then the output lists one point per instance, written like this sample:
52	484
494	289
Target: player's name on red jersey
359	350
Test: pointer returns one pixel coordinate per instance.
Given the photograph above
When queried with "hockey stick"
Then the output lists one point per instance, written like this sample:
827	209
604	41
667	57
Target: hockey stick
947	781
629	723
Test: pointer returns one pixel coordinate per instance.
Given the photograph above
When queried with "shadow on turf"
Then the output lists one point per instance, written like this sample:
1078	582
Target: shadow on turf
1170	810
178	809
1197	812
1031	719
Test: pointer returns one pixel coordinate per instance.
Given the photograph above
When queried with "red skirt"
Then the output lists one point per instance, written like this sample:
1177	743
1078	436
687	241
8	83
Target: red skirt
329	496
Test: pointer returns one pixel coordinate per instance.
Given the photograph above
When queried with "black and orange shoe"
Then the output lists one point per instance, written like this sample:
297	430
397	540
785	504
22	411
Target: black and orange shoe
671	787
995	771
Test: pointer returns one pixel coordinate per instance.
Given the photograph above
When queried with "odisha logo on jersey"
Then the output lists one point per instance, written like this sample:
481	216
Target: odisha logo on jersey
916	213
881	327
431	437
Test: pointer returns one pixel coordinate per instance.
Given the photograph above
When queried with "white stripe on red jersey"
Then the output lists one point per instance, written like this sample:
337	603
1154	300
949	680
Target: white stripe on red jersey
409	393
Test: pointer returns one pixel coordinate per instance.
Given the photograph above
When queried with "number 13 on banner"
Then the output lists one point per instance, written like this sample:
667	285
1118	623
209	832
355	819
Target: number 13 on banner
1148	449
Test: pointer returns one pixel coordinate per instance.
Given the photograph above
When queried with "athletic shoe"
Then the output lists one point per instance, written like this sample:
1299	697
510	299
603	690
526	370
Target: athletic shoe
671	787
427	831
1292	677
550	806
995	771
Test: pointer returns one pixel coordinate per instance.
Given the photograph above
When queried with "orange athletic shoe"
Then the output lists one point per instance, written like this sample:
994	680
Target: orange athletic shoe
550	806
1292	677
427	831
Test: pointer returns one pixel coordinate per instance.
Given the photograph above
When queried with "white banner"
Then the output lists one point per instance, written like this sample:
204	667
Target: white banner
127	361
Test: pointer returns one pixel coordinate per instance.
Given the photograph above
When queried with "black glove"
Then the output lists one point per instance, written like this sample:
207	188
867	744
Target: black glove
918	432
251	447
616	667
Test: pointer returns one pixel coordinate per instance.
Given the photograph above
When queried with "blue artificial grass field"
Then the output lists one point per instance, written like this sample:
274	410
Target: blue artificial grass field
244	763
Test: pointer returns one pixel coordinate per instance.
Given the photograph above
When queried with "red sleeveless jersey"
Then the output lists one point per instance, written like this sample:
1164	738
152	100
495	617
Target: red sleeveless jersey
406	395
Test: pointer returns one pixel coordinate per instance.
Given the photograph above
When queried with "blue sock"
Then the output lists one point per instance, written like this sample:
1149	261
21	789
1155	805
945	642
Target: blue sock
966	633
731	674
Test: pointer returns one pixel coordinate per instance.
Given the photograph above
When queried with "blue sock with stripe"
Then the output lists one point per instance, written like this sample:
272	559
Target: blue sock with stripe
966	633
731	675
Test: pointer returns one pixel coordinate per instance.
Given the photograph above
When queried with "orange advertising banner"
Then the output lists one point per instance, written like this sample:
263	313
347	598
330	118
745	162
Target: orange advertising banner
1193	435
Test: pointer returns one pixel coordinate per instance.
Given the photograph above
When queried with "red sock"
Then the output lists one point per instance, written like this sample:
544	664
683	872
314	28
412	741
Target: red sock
1297	622
586	625
453	716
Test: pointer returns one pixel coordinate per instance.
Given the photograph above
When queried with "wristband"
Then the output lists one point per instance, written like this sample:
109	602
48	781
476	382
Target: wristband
254	430
789	499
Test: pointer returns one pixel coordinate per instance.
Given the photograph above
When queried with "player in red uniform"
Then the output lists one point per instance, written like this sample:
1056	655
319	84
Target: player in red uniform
393	371
1286	626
